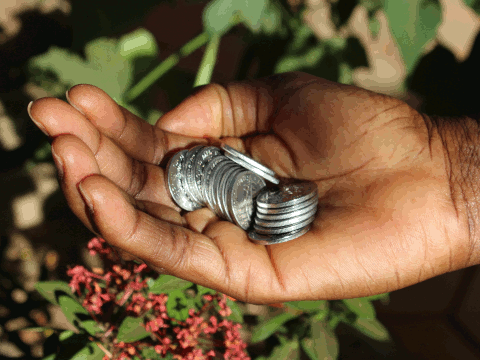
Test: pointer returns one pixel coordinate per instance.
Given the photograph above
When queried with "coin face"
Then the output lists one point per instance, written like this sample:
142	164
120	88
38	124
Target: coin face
176	182
247	159
287	194
276	223
289	211
283	229
189	173
202	159
276	239
225	188
240	198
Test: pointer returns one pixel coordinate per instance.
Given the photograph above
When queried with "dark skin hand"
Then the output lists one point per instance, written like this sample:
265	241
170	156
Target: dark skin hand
386	216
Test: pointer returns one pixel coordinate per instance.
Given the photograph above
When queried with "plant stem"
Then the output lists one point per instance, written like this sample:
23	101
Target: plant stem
204	74
166	65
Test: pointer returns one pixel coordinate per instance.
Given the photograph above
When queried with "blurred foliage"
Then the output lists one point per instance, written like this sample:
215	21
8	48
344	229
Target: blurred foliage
126	65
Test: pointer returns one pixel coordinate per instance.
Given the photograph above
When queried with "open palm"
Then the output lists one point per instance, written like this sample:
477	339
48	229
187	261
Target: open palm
385	220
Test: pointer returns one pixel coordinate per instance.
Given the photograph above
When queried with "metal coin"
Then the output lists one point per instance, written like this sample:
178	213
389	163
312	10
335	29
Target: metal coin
249	160
285	222
189	172
287	195
243	191
220	187
202	159
225	189
276	239
208	173
213	183
176	182
286	212
283	229
254	169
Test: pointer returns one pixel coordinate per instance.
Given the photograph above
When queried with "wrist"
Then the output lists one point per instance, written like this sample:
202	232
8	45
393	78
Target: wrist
460	150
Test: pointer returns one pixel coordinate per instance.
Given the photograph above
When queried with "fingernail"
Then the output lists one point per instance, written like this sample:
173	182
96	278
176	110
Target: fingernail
86	198
59	163
73	105
40	126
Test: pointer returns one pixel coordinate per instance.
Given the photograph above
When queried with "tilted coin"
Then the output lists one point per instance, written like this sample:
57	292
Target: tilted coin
243	191
276	238
207	175
283	229
189	172
226	188
287	212
202	159
220	188
238	154
254	169
176	182
287	195
284	222
210	178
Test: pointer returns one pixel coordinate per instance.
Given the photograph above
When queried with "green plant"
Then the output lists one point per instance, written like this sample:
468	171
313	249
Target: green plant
126	68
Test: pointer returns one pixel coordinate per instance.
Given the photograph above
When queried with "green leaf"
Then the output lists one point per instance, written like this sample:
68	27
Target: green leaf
177	305
218	14
268	328
323	344
372	328
308	306
413	23
295	62
287	351
382	297
271	21
64	335
131	329
166	284
361	307
236	314
51	290
138	43
50	357
104	66
202	290
77	315
90	351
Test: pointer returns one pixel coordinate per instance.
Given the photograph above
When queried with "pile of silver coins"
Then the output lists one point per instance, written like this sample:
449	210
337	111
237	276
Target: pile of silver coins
233	186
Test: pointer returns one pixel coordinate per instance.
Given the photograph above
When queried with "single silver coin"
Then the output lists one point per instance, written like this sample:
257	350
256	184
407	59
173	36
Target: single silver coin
284	222
215	182
225	189
254	169
220	188
240	199
278	238
283	229
249	160
189	172
176	182
287	212
202	159
209	179
207	175
287	194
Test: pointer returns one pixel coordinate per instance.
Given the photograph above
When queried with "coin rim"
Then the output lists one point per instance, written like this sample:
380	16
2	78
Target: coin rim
272	224
283	229
257	171
246	158
261	239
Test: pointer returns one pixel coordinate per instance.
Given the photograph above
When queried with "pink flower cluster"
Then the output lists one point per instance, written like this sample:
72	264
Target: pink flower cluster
206	334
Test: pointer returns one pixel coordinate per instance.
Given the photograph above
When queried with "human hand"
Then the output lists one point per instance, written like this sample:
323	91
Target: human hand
386	216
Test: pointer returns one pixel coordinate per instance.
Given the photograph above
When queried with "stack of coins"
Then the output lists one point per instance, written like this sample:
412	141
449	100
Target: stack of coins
202	176
284	213
228	183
